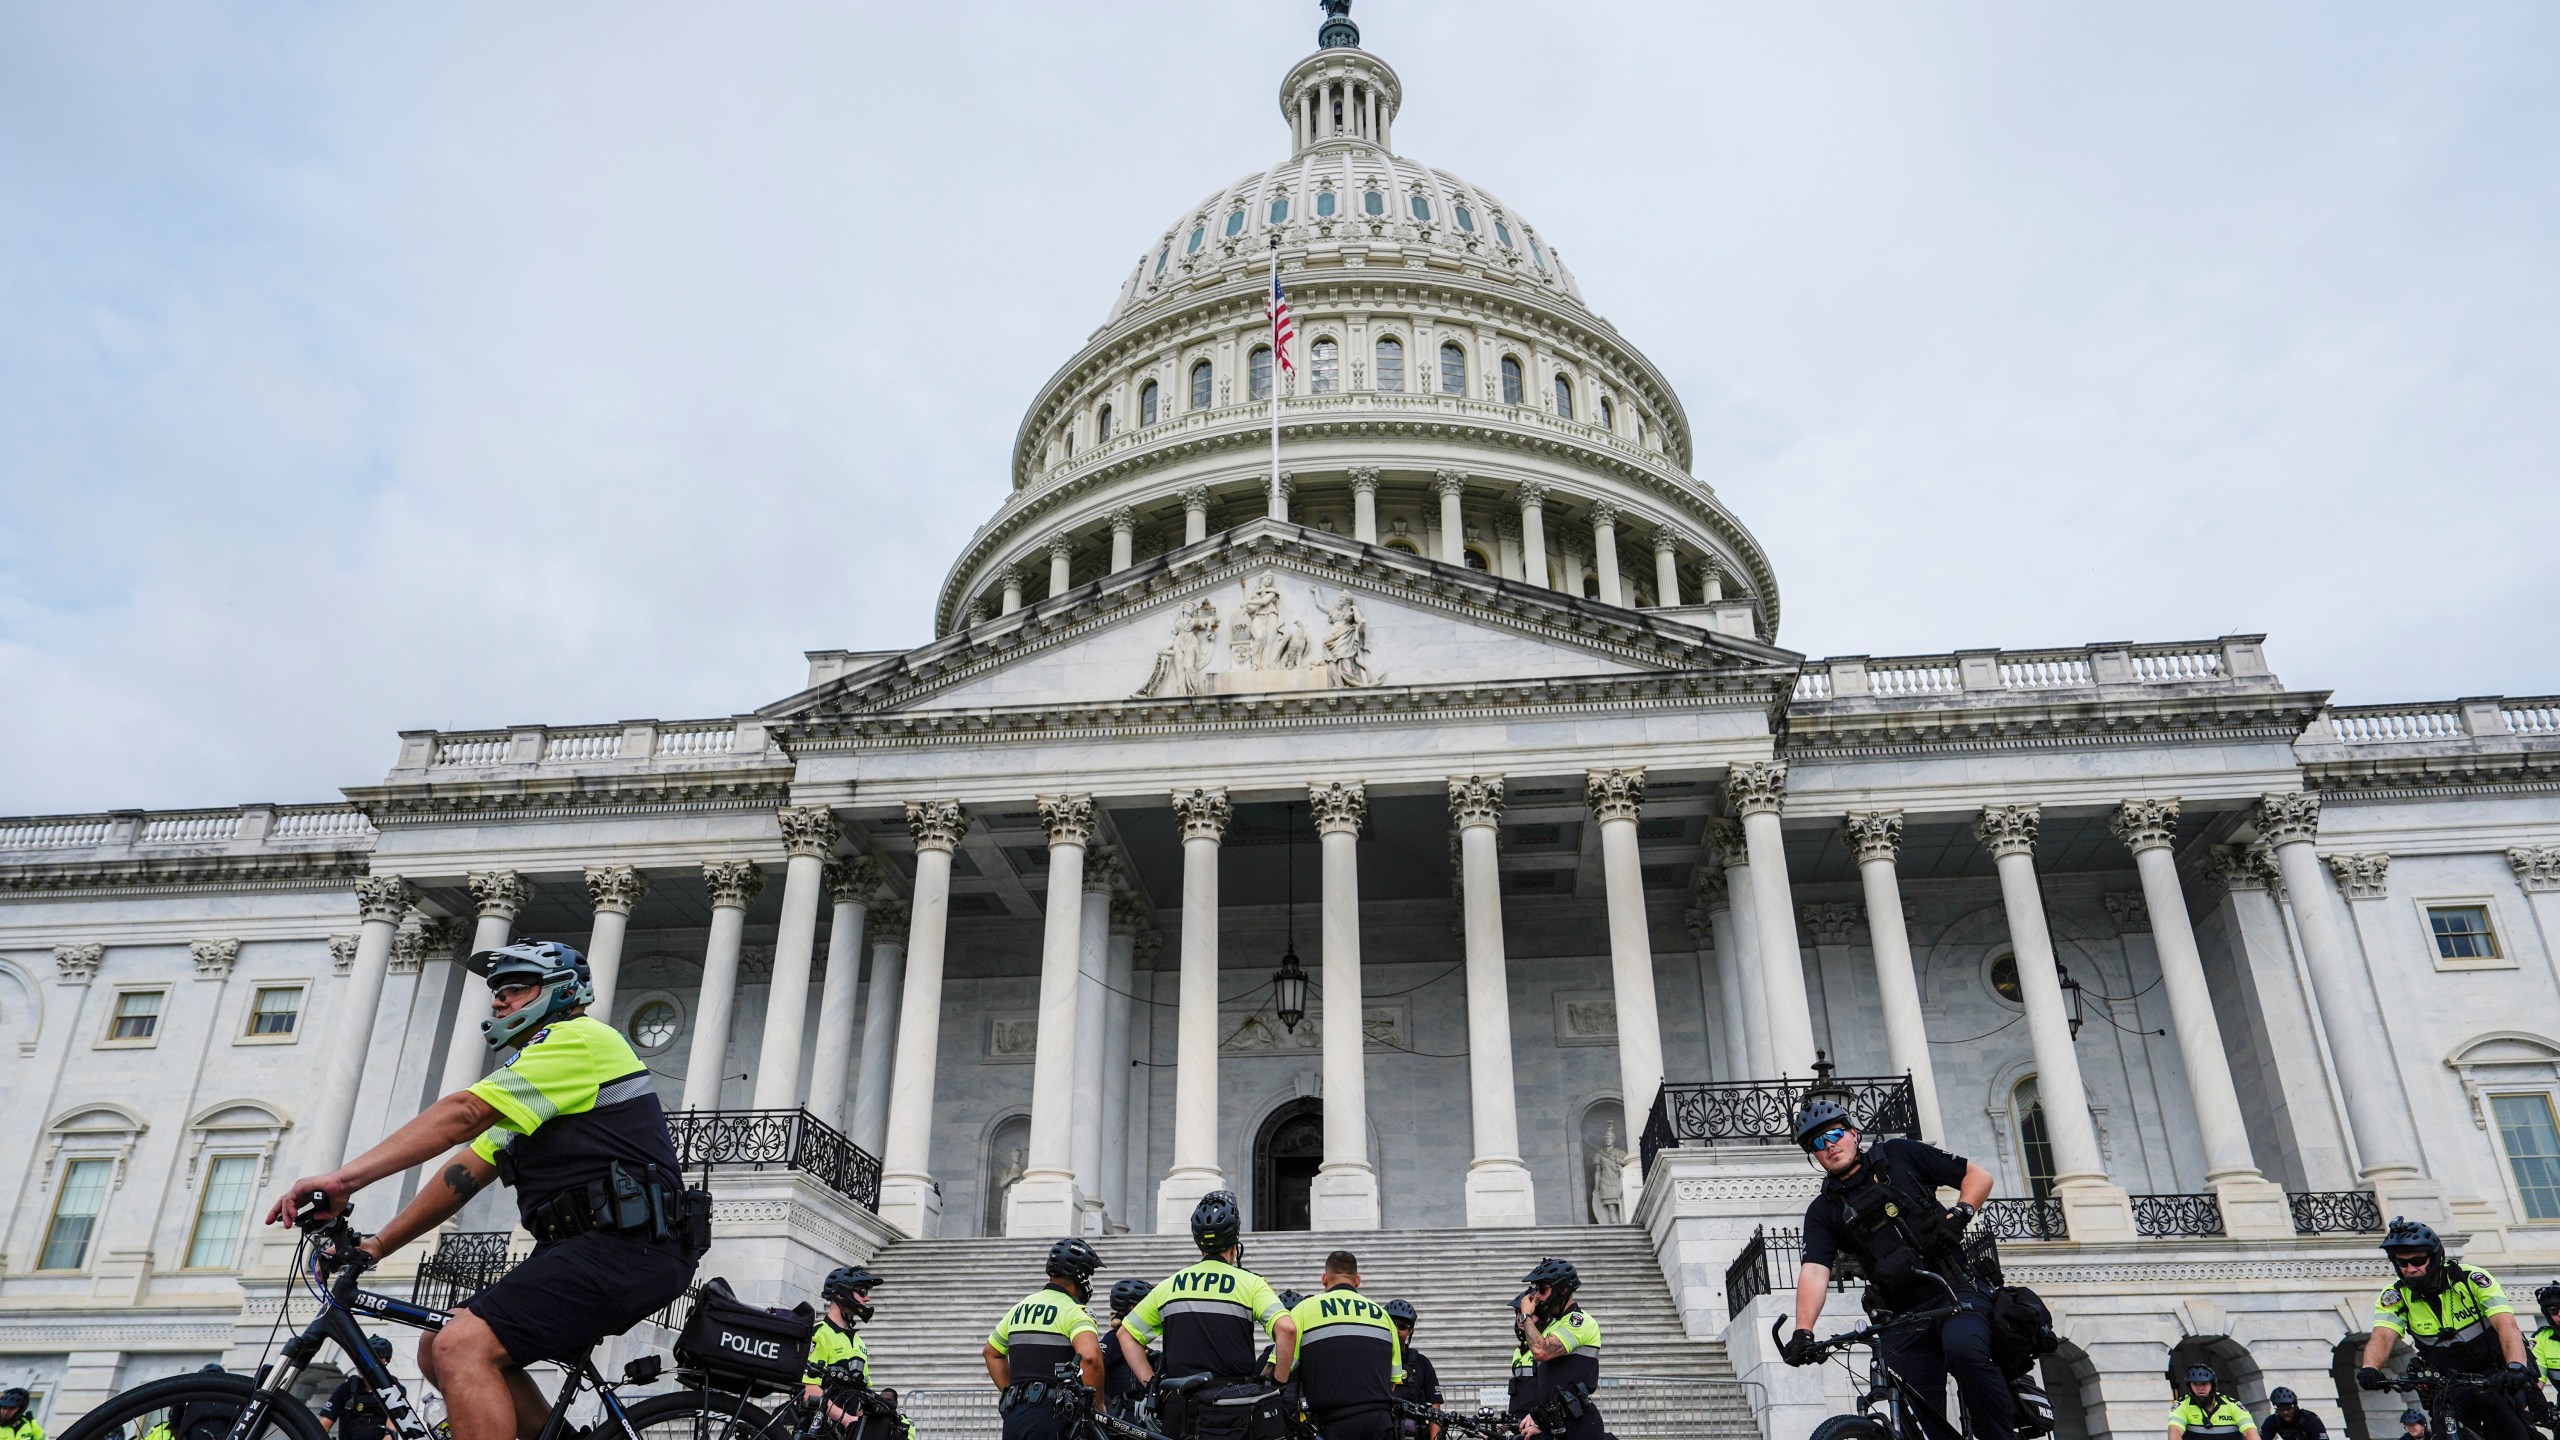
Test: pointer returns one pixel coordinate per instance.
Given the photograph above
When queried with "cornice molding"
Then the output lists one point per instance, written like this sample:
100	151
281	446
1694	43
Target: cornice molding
759	786
314	870
1818	731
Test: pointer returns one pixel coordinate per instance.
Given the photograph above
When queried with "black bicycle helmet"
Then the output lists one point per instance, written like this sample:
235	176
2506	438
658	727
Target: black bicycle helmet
1818	1116
2413	1416
380	1345
14	1398
1401	1312
2282	1396
1554	1272
2407	1234
2547	1299
846	1281
1072	1259
1125	1294
559	970
2200	1375
1216	1222
1290	1299
214	1367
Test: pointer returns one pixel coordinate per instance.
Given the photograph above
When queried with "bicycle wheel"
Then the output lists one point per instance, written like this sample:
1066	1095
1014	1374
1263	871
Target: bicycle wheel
700	1415
197	1404
1851	1427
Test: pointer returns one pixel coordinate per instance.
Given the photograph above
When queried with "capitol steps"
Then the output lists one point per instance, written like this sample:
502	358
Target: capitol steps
939	1298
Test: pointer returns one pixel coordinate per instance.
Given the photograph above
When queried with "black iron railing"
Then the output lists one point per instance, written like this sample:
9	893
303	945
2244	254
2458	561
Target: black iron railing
463	1264
1763	1112
1753	1273
2022	1220
794	1139
2163	1215
2335	1212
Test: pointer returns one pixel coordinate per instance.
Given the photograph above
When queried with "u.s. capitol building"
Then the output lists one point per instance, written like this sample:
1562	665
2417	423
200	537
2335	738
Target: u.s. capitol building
1483	707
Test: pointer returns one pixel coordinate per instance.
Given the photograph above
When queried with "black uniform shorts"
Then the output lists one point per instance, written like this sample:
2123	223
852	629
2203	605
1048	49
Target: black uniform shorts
1371	1424
569	1294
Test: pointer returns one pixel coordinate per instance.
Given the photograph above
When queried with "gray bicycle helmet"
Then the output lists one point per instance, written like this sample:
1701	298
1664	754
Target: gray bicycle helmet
1402	1312
2282	1397
1817	1117
380	1345
559	970
2200	1375
1125	1294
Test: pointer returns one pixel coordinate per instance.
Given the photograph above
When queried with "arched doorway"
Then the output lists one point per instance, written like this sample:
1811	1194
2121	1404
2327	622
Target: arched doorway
1286	1154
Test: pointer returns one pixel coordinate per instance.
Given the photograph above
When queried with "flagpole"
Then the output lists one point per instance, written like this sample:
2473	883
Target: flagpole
1276	368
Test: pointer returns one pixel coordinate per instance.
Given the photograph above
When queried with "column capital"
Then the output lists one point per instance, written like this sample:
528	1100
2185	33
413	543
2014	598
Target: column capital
1604	515
1832	922
1445	483
1124	521
2146	824
1204	813
1339	806
937	824
1614	794
2236	866
2537	867
1665	541
382	897
1702	928
1103	869
1129	914
1286	482
2288	817
809	830
498	894
1754	786
2129	910
1710	889
78	964
1007	576
2364	876
1724	836
1533	494
1067	818
890	917
1875	834
853	880
1196	497
2008	829
342	954
1060	546
417	939
214	958
1150	944
1475	799
615	889
734	884
1364	480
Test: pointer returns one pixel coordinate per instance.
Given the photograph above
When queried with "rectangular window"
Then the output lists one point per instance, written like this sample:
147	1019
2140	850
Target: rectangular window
1390	365
1258	374
2462	932
1328	367
75	1215
2533	1151
1453	370
216	1237
137	1015
275	1010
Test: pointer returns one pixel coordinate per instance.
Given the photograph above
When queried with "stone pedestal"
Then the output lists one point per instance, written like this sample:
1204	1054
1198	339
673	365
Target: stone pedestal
2415	1196
1700	1207
1786	1401
2254	1207
2097	1212
1499	1193
1177	1193
1345	1197
1044	1204
912	1204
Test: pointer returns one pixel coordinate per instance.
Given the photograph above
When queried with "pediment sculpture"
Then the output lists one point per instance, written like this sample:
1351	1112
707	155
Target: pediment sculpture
1268	649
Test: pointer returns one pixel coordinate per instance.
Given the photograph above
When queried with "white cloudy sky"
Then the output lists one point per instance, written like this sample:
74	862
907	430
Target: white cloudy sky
376	366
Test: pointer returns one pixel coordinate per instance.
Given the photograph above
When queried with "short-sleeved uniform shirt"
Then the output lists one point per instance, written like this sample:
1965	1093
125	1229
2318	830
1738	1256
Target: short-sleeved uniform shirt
26	1428
1909	1166
2301	1425
1348	1360
2545	1348
1577	1368
1211	1318
1421	1382
2451	1330
1524	1382
1037	1337
572	1099
357	1411
2220	1418
829	1346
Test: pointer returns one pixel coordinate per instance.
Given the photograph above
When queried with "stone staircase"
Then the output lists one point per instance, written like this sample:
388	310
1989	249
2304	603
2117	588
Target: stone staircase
940	1297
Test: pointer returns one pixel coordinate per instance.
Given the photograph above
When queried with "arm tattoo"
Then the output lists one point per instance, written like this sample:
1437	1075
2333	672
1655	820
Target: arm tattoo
459	1179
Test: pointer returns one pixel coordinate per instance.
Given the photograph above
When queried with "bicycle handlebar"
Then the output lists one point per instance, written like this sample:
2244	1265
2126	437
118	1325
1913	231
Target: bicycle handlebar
1825	1349
1480	1422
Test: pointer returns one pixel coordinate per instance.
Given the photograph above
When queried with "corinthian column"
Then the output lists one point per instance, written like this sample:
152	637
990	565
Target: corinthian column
1758	790
1043	1201
1204	814
1009	581
381	900
1450	485
1062	549
1124	538
1615	797
1710	921
884	998
733	885
1499	1191
1364	505
2537	870
1195	528
2251	1206
1533	533
1666	568
2092	1208
1604	550
1877	837
1738	941
851	882
614	891
809	835
1102	870
1128	915
908	1197
497	895
1346	1189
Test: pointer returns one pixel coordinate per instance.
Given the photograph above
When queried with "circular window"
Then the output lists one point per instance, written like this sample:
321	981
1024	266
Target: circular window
654	1025
2004	980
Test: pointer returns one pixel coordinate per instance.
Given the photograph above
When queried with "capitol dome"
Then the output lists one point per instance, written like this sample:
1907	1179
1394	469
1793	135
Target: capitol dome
1447	393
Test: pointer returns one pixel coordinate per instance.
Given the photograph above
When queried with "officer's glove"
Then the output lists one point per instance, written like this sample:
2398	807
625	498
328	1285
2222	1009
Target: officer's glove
1799	1349
2518	1376
2370	1378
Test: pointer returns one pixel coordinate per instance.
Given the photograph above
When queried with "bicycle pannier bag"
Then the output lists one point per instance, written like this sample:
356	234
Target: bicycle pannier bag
2021	1330
729	1339
2034	1408
1249	1411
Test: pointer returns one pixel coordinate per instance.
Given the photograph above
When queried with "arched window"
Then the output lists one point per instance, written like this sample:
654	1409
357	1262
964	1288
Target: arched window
1514	391
1421	207
1476	559
1101	424
1146	404
1067	441
1279	209
1258	374
1608	414
1537	254
1200	386
1466	219
1326	365
1161	257
1374	202
1453	368
1324	204
2035	1146
1235	222
1564	397
1198	233
1390	363
1502	233
1403	543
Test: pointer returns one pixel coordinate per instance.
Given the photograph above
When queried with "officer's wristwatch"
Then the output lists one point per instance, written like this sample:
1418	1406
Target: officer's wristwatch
1963	1209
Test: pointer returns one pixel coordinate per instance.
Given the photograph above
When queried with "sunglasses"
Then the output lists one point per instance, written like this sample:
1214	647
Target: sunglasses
1830	1137
514	988
2410	1262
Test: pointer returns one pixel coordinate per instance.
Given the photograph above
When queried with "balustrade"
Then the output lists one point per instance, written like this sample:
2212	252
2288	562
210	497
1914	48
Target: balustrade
2335	1212
2532	717
470	750
2022	1219
320	822
189	828
793	1139
464	1263
2040	672
560	745
2365	727
2156	665
2157	1216
1762	1112
55	834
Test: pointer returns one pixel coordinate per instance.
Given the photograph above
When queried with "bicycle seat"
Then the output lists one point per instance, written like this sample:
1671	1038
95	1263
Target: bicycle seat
1185	1385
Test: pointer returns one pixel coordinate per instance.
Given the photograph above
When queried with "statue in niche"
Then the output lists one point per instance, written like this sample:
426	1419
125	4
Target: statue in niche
1007	1178
1346	644
1182	668
1260	639
1609	1181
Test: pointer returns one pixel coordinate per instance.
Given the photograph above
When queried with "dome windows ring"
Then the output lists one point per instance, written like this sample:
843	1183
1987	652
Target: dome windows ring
1102	425
1162	256
1235	223
1200	385
1502	233
1280	210
1453	368
1373	203
1466	219
1608	414
1564	397
1421	205
1514	387
1146	404
1325	365
1199	233
1258	374
1391	364
1324	204
1537	254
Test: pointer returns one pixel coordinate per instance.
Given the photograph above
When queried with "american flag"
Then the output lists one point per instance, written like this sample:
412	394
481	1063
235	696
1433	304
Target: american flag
1280	331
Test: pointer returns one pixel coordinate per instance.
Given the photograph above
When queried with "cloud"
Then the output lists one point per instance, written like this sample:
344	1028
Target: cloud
369	370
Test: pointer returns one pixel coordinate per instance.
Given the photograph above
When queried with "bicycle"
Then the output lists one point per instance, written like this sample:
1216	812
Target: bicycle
1903	1404
328	1263
2443	1397
1089	1419
1482	1424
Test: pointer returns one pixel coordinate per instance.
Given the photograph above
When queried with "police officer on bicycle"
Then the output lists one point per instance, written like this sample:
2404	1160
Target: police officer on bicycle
1045	1341
572	1121
832	1341
2205	1413
1350	1357
353	1411
1421	1382
2460	1322
2545	1345
15	1422
2290	1421
1881	1206
1209	1316
1563	1342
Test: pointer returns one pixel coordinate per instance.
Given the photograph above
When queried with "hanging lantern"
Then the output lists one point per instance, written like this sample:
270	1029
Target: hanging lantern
2071	988
1289	991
